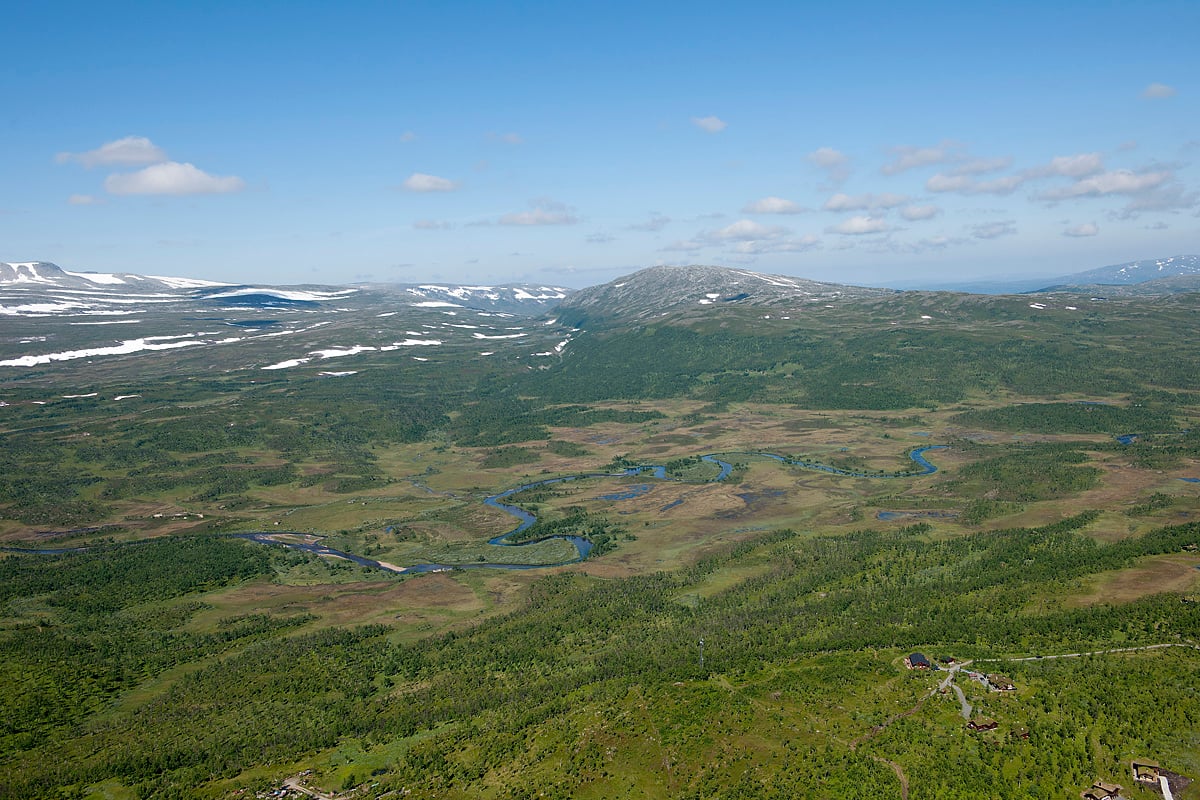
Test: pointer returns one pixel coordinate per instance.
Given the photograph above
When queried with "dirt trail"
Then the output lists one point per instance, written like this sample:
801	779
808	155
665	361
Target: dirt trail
295	785
948	683
1095	652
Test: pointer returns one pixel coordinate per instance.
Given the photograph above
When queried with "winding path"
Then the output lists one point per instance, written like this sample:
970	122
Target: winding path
1093	652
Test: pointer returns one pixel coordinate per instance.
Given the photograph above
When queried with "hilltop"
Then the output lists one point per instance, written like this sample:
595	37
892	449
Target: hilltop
657	291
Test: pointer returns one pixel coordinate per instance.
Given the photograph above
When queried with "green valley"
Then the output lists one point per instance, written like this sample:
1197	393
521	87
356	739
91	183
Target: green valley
717	633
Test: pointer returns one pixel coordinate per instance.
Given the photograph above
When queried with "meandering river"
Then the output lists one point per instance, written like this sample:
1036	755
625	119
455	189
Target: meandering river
583	547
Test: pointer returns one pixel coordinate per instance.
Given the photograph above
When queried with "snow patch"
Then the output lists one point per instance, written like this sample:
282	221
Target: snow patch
185	283
295	362
337	352
98	277
107	322
285	294
124	348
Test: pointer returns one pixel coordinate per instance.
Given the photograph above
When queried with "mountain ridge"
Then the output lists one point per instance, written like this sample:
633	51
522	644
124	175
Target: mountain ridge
656	291
41	288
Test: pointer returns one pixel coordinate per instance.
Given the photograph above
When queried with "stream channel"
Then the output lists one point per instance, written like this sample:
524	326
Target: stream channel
583	547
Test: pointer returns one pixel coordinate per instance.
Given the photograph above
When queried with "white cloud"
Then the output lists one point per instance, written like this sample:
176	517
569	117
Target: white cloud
965	184
432	225
756	247
1170	196
1157	91
710	124
684	246
131	151
544	212
978	166
908	157
772	205
172	177
935	243
1005	185
962	181
891	245
1086	229
863	202
828	158
600	238
420	182
915	213
408	136
857	226
83	200
655	223
745	230
1077	166
942	182
747	237
994	230
834	162
1121	181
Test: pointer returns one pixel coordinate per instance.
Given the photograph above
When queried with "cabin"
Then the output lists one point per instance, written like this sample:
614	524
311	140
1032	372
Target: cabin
999	683
1146	771
1101	791
982	724
916	661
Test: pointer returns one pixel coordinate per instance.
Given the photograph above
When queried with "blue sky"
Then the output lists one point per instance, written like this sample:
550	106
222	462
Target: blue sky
569	143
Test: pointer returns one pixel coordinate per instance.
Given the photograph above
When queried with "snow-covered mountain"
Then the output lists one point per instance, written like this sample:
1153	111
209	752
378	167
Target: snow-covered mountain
62	319
39	289
45	274
1142	271
1133	272
514	299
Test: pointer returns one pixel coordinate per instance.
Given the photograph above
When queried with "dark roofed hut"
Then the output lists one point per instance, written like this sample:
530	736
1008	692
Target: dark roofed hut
916	661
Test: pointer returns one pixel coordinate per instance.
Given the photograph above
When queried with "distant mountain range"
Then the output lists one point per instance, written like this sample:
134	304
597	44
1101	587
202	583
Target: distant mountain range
1134	272
140	323
1128	274
38	288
